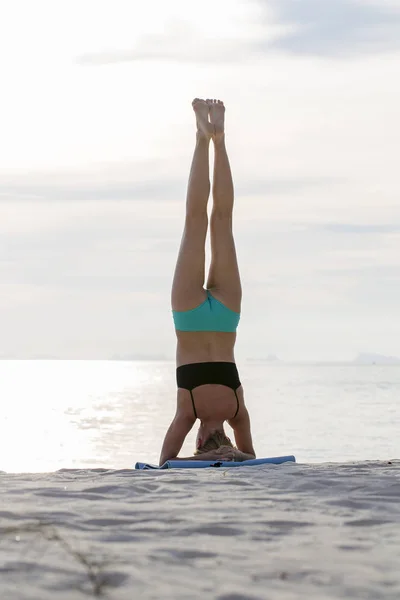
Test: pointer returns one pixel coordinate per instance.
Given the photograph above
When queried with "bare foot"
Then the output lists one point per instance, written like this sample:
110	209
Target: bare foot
217	118
201	109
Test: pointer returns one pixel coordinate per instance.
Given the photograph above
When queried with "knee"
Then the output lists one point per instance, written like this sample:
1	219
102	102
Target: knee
196	218
221	218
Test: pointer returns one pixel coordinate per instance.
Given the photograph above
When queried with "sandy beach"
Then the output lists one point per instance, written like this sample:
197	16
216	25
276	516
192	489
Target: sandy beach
272	532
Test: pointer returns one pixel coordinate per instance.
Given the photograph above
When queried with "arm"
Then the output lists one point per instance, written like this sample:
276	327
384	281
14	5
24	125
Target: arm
241	429
175	436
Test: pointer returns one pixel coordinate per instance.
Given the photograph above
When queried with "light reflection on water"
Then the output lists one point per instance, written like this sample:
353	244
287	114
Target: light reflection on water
71	414
77	413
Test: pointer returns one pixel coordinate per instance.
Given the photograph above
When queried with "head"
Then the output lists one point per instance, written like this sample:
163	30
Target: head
211	440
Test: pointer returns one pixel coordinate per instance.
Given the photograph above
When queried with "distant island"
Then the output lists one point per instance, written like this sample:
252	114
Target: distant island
141	357
365	358
272	358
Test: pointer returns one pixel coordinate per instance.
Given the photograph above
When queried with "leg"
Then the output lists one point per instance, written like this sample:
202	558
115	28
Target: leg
188	283
223	279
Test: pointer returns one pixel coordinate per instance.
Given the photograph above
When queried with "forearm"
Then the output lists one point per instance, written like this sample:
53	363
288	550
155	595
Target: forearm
204	456
241	456
195	457
174	438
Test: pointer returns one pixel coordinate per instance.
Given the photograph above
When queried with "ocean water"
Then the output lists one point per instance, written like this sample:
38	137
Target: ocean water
80	414
76	521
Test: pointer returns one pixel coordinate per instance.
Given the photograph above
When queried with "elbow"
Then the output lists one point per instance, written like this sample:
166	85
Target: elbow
164	458
249	456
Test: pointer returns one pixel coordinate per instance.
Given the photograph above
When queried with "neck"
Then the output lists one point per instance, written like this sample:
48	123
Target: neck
212	426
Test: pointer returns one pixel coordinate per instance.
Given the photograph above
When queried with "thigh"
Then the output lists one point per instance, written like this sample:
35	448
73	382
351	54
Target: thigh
224	277
188	283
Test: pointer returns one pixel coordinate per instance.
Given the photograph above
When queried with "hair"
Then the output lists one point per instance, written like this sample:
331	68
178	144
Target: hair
214	441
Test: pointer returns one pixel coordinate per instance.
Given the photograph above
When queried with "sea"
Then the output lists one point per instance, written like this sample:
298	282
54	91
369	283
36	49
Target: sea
82	414
77	520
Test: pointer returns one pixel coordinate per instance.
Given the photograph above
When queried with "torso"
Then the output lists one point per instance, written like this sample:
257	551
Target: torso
212	401
204	346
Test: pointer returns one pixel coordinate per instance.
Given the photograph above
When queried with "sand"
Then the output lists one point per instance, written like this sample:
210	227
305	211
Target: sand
272	532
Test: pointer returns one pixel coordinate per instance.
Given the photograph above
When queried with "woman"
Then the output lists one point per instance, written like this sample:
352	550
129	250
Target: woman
205	320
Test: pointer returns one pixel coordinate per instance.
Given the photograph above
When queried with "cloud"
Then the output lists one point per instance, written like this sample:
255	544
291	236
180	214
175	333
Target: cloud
180	42
93	284
357	228
134	190
369	272
123	181
134	181
284	185
138	180
337	28
304	27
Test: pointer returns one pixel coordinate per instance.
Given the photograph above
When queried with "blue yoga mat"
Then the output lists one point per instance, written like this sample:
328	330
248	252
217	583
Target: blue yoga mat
203	464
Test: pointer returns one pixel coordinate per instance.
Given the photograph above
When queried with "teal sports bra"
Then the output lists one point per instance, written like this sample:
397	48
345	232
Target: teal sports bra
211	315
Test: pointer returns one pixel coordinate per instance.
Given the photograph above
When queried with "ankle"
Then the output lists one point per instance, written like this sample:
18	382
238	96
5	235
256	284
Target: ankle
201	137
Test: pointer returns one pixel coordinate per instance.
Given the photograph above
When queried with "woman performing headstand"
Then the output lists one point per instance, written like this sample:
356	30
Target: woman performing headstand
205	320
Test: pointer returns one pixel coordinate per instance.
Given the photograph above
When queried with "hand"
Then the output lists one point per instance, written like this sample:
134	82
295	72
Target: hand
224	453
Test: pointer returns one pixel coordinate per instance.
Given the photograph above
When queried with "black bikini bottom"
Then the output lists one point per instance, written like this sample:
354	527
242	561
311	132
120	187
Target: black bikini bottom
193	375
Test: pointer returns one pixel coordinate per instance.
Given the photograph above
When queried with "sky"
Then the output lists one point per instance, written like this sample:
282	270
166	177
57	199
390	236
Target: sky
97	135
